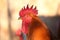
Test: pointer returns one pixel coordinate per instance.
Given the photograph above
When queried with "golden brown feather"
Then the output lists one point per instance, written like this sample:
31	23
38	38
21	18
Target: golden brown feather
38	30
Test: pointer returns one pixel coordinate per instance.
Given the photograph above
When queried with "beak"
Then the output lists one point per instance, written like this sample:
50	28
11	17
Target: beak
19	18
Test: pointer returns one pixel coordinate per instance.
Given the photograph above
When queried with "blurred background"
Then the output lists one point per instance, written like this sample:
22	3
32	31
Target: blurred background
48	11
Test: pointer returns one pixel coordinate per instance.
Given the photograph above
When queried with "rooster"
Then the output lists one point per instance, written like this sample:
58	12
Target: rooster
32	25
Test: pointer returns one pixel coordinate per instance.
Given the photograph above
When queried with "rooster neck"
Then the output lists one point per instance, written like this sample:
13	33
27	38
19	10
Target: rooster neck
25	27
34	23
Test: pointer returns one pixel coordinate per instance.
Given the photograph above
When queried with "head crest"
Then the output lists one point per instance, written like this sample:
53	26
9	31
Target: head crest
27	10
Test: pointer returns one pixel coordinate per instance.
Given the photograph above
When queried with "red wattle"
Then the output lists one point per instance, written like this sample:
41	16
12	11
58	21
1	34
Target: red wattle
21	38
18	32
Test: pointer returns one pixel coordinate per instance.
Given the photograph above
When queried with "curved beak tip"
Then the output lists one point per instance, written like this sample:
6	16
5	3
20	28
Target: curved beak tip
19	18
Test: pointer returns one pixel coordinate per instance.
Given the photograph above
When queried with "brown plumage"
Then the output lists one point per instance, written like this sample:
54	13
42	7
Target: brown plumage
38	30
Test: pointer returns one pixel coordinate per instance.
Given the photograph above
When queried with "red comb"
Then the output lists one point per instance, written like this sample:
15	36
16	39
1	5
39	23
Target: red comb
27	10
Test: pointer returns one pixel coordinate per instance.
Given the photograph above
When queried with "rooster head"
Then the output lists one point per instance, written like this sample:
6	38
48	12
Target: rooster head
25	14
25	11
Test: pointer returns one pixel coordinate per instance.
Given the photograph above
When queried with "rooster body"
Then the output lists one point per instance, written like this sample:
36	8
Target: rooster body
38	30
32	26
